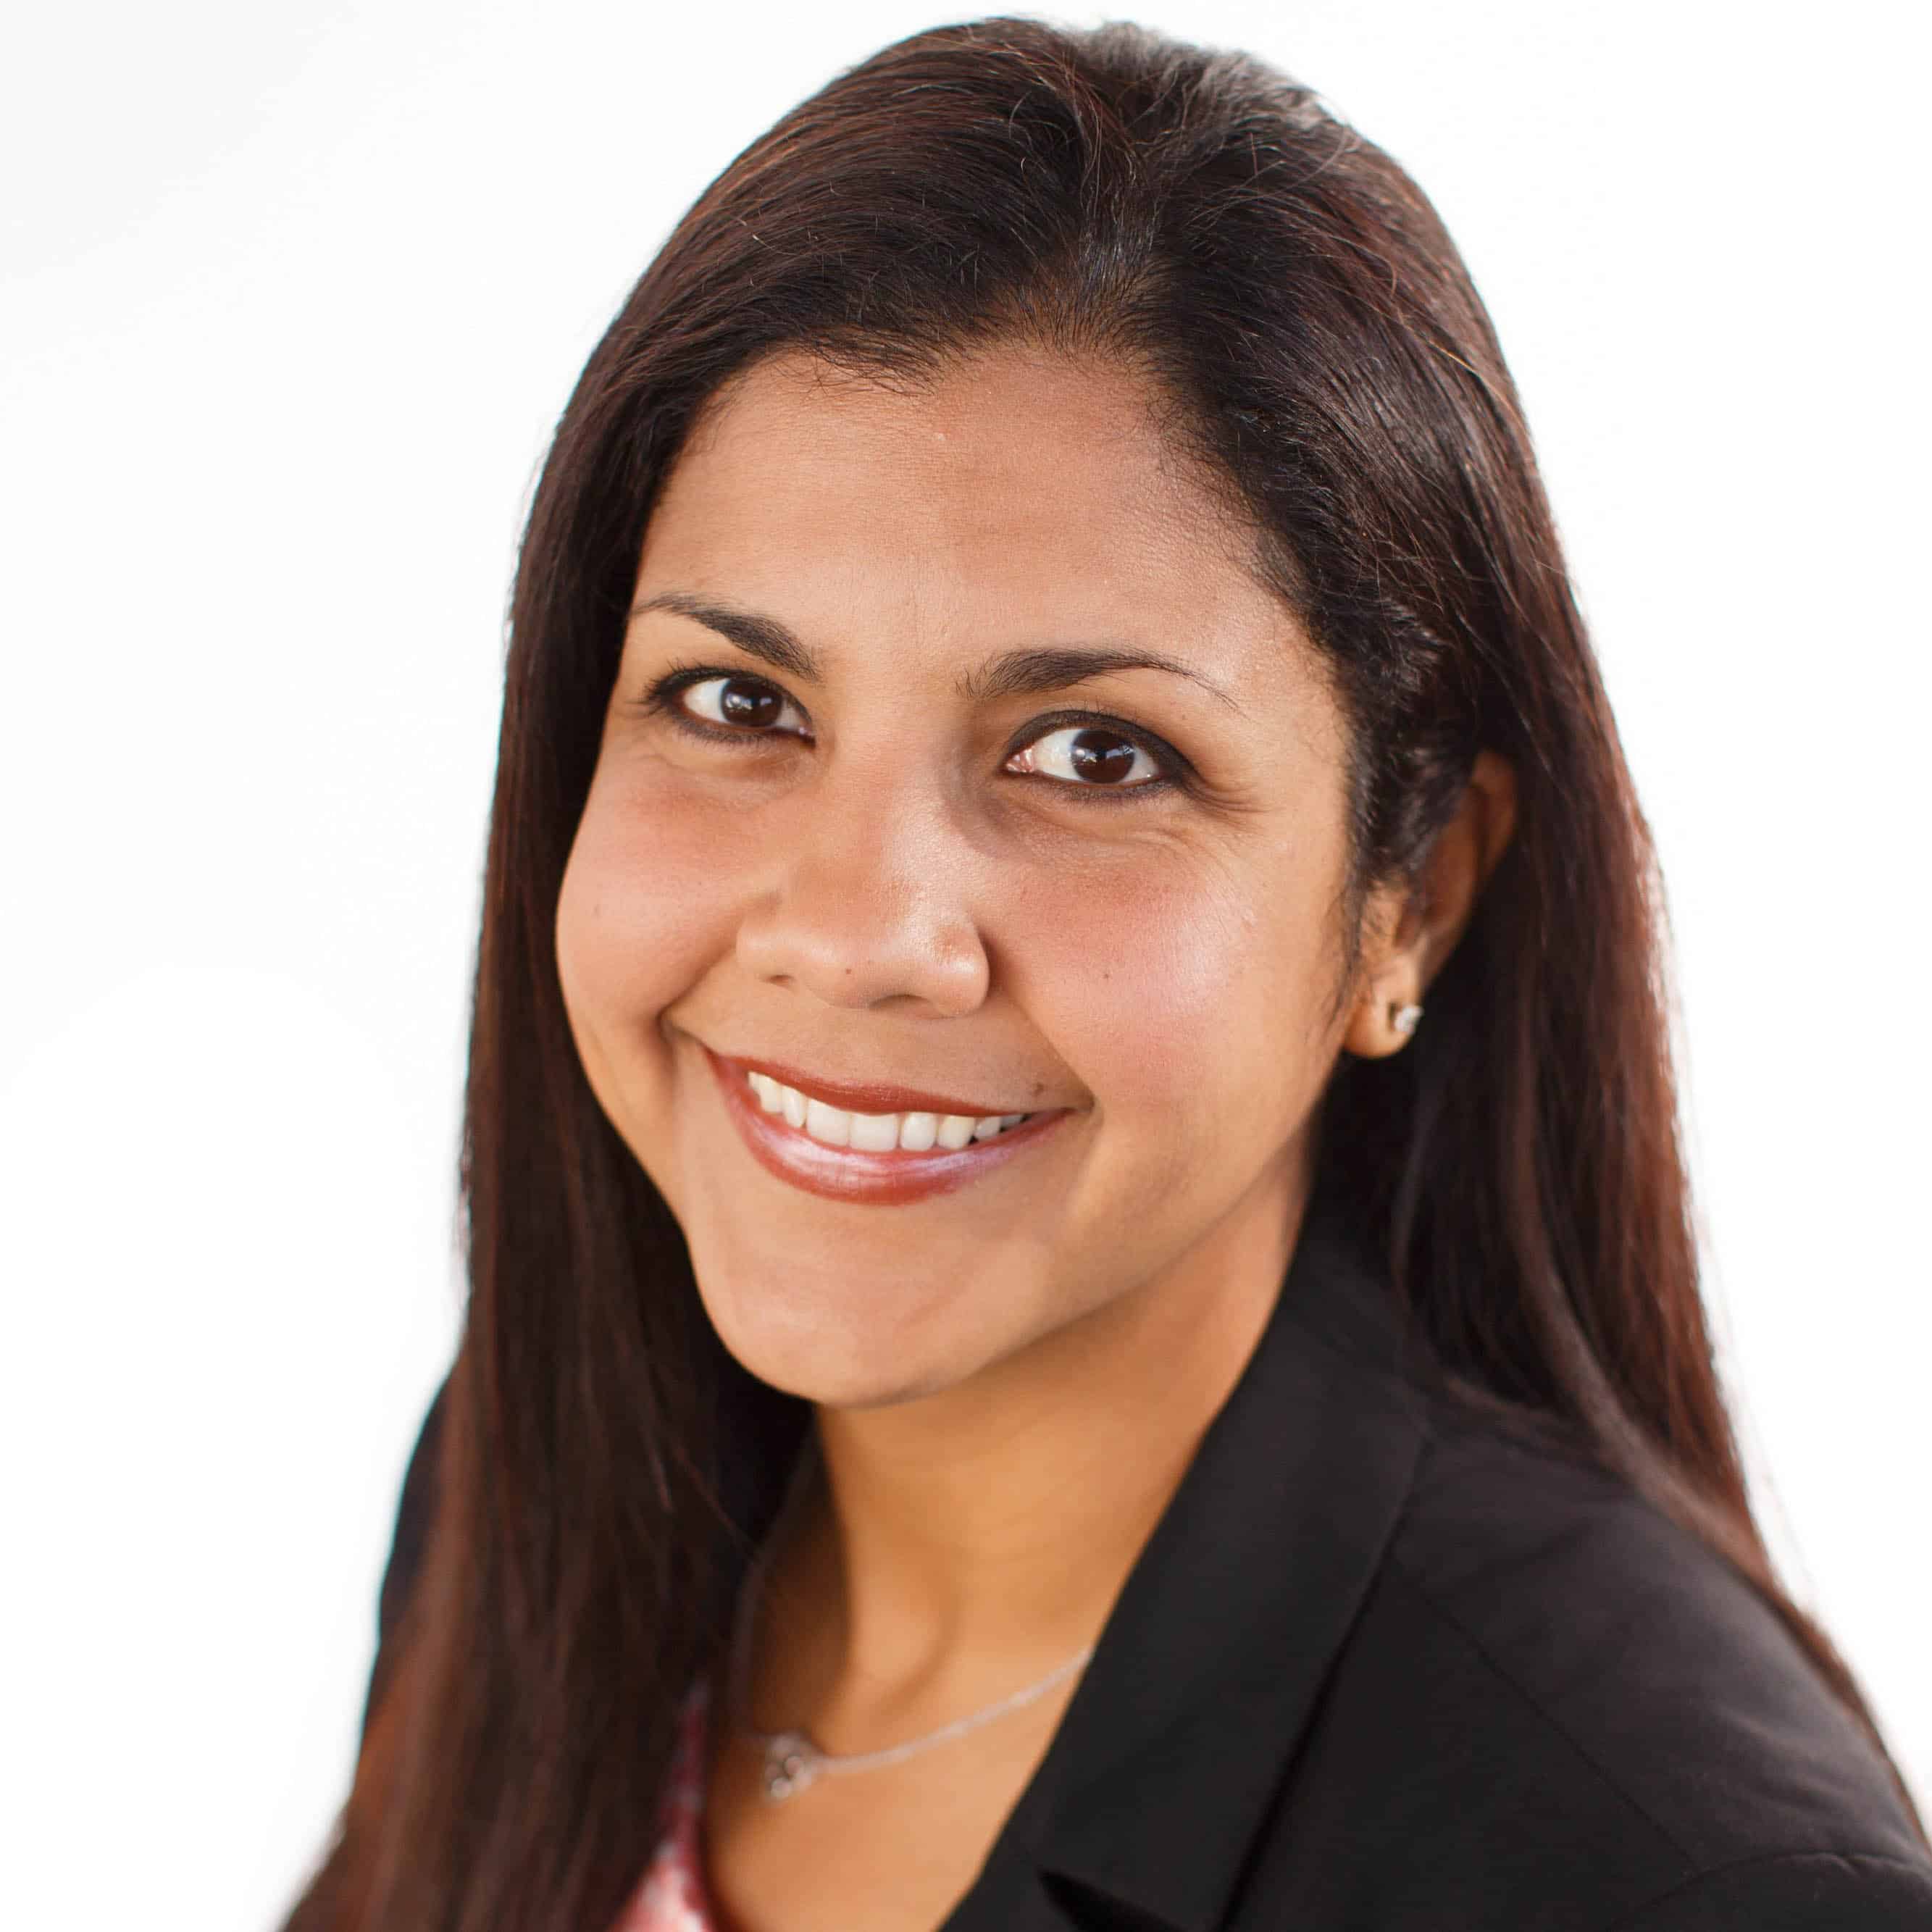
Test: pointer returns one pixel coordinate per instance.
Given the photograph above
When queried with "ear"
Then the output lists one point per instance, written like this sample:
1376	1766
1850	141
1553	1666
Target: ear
1409	933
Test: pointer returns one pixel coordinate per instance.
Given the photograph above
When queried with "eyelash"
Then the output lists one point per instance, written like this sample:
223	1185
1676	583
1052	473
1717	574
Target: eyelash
660	700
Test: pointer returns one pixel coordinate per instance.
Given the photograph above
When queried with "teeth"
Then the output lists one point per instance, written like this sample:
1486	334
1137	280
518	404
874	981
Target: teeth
876	1133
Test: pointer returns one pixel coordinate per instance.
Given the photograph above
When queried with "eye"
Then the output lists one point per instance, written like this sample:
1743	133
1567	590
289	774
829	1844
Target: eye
1092	757
1083	755
717	704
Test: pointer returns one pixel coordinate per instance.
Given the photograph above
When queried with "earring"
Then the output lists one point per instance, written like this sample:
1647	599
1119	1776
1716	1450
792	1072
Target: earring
1403	1018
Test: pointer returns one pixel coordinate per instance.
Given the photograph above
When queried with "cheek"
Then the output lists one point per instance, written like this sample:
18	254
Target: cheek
1213	982
643	908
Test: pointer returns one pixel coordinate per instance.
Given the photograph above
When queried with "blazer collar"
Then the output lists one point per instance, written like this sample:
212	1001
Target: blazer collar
1162	1771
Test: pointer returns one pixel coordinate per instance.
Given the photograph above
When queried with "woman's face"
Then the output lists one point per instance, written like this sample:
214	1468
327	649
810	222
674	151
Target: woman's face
887	806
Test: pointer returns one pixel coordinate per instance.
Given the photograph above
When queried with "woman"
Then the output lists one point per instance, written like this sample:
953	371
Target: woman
1013	1378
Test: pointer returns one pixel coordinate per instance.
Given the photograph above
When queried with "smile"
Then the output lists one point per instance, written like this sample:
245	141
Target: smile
881	1158
875	1133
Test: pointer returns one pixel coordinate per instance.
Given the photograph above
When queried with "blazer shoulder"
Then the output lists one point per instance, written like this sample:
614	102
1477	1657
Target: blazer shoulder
1647	1655
1797	1892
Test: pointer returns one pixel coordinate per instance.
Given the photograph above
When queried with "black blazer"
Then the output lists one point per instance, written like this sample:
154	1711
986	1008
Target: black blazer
1381	1668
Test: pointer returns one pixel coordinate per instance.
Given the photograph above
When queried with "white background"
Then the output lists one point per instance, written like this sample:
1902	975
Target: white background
293	295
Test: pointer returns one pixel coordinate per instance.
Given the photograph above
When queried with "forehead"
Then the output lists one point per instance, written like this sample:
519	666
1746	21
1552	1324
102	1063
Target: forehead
1018	492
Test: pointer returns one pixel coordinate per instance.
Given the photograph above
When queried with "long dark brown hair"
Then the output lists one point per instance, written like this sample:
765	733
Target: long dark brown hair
1288	292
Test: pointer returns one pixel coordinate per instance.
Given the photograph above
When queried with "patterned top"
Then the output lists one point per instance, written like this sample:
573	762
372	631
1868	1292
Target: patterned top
672	1896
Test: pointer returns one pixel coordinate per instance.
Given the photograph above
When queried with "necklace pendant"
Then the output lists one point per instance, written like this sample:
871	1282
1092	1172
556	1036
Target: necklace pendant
791	1762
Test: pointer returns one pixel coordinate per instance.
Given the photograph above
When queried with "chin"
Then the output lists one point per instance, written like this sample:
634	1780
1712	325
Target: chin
833	1350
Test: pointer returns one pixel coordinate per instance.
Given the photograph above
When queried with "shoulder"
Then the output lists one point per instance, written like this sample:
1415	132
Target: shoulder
1554	1692
1641	1649
1796	1891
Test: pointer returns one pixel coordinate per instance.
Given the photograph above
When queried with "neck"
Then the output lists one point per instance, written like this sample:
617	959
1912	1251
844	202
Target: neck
950	1549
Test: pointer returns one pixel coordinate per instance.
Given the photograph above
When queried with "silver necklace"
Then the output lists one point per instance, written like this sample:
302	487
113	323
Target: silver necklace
792	1759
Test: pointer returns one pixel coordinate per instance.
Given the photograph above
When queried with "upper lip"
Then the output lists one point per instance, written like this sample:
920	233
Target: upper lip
865	1097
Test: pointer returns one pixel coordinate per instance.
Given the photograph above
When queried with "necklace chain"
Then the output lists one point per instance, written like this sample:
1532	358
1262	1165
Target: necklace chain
793	1759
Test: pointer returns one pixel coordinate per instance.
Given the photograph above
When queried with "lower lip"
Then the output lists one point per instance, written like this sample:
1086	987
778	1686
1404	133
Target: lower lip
851	1174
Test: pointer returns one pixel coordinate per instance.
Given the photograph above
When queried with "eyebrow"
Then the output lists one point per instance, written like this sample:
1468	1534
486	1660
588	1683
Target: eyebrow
1025	672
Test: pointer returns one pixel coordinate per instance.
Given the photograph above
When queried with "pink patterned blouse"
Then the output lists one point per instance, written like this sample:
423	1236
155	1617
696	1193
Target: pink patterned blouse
672	1895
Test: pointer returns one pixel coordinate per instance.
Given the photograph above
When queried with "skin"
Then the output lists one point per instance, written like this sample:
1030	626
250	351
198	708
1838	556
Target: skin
885	882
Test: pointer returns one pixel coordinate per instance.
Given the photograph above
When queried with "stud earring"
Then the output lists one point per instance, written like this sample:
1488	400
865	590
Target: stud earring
1403	1018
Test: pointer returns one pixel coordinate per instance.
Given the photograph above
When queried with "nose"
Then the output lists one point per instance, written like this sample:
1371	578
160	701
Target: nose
860	903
